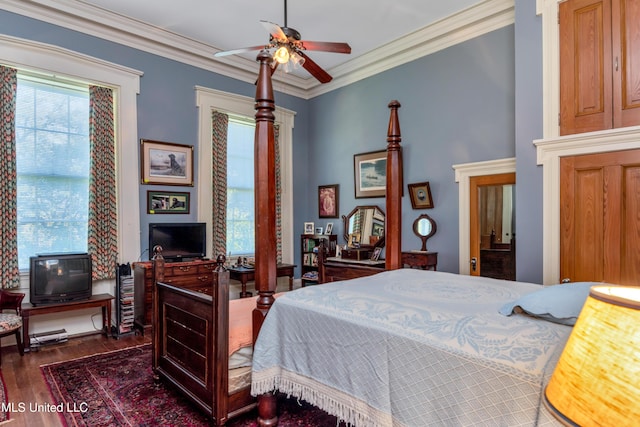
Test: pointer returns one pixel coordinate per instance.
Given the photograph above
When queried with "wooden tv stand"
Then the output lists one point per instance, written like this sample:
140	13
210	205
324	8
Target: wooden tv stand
100	300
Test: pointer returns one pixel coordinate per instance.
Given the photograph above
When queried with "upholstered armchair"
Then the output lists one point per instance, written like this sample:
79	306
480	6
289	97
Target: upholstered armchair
11	321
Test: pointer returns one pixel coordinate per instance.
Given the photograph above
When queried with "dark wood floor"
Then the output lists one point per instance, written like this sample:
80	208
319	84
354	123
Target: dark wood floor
24	380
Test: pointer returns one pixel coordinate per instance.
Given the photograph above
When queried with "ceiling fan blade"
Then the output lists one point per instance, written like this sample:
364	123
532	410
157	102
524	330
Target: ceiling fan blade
315	70
237	51
275	31
327	46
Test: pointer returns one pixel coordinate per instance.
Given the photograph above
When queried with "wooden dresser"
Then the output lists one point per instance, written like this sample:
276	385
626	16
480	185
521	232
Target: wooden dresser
193	274
419	259
334	269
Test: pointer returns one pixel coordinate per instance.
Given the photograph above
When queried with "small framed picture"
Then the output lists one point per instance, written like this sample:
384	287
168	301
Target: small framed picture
166	163
375	256
328	201
167	202
420	195
329	228
308	228
318	230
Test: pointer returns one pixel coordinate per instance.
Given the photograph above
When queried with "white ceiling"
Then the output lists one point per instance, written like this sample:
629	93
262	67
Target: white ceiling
230	24
375	29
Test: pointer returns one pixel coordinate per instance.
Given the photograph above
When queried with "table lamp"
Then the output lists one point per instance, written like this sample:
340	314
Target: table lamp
597	379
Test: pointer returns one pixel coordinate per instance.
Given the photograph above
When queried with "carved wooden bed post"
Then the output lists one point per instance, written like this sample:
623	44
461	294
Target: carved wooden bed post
265	212
393	219
158	276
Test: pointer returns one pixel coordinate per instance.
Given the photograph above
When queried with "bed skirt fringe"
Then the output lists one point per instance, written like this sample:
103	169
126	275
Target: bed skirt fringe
347	408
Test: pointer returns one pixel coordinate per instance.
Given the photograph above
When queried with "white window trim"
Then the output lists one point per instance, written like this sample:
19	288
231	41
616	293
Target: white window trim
45	59
463	174
208	100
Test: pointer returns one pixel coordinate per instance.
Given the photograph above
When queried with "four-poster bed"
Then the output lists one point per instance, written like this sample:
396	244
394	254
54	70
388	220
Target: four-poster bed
373	350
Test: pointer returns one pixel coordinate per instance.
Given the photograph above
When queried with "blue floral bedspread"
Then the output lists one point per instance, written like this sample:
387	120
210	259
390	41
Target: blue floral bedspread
410	348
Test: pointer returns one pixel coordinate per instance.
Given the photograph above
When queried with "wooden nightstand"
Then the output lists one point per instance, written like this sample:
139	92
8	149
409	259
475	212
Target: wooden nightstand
418	259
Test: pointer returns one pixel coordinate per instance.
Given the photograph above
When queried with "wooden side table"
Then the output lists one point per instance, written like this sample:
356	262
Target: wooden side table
246	274
101	300
419	259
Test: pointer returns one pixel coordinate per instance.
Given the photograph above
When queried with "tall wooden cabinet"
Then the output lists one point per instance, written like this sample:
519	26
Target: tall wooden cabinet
309	259
599	65
599	225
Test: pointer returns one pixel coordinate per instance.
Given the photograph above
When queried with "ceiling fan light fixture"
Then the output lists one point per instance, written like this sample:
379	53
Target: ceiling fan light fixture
297	60
282	55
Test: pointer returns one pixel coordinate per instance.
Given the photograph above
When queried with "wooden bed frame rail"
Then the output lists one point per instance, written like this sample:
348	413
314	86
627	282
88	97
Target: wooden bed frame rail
190	343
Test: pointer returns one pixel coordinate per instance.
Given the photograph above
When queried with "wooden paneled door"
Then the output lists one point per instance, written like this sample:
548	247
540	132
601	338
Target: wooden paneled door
600	217
599	65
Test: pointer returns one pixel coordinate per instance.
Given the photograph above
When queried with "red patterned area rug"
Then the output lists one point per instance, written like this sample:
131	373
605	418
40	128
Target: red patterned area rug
4	415
117	389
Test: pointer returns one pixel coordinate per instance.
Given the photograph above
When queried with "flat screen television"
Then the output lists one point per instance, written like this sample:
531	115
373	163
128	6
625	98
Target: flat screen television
57	278
180	241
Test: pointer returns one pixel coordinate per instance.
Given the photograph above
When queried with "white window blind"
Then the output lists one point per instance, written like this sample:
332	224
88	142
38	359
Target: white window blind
52	150
240	187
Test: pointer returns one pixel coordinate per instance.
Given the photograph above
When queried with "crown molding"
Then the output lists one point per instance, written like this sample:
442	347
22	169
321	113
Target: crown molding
76	15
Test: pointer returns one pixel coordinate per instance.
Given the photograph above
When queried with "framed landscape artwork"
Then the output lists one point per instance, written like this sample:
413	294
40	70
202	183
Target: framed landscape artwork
370	174
166	163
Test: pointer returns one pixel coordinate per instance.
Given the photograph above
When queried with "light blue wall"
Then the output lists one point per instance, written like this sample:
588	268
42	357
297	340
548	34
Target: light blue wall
479	100
528	43
457	107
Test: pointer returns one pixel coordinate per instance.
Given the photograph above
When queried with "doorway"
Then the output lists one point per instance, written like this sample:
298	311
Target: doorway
492	240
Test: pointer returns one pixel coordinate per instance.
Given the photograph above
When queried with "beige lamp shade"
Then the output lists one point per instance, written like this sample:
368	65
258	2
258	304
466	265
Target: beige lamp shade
597	379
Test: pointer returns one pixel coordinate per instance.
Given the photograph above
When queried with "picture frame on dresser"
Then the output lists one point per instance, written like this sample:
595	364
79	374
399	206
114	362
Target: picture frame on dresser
166	163
329	228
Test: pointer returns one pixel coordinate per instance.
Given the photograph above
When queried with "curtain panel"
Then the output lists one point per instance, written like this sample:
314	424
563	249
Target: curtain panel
220	123
8	179
103	213
276	130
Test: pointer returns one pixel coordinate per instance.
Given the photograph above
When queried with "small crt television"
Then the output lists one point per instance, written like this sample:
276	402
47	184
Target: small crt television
59	278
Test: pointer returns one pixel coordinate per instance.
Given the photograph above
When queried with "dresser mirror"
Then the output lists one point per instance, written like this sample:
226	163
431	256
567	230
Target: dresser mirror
424	227
364	227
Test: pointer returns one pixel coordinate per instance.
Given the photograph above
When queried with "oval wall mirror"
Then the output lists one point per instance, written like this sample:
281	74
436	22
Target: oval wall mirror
424	227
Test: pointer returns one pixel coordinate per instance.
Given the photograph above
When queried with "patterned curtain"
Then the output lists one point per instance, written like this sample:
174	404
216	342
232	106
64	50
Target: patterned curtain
103	214
8	180
276	130
220	123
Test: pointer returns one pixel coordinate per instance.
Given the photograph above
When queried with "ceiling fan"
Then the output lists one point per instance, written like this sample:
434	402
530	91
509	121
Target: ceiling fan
289	50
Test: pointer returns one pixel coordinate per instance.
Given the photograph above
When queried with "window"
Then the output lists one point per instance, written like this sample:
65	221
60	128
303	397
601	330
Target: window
52	159
238	106
240	185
